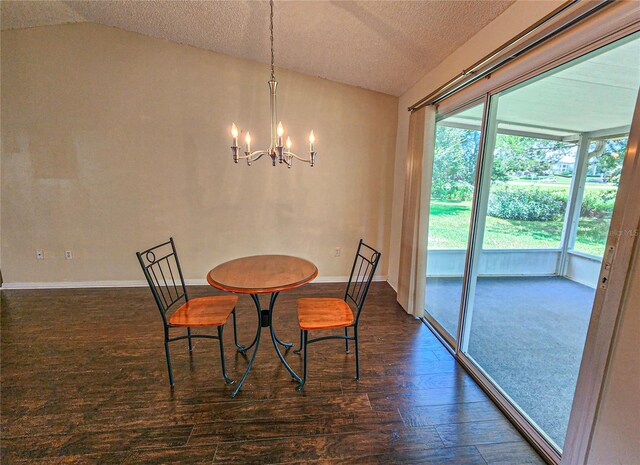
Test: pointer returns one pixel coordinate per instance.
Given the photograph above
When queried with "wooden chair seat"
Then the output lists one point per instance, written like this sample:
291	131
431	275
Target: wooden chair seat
204	311
323	313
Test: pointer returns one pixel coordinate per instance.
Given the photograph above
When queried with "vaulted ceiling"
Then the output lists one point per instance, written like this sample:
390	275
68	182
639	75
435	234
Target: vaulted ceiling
385	46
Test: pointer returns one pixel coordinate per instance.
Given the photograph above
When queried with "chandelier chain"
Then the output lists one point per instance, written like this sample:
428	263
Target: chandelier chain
273	75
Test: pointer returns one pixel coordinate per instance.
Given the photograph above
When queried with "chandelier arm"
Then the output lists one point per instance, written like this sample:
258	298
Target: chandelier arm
253	156
291	154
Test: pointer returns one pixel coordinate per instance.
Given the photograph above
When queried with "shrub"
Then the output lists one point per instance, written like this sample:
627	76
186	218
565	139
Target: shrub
459	191
526	204
598	204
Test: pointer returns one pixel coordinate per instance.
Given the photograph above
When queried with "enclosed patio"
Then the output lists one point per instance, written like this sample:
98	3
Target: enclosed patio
526	280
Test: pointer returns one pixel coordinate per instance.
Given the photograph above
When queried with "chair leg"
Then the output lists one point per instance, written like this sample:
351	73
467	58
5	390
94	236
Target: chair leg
346	341
224	368
189	336
297	351
240	347
166	351
304	369
355	333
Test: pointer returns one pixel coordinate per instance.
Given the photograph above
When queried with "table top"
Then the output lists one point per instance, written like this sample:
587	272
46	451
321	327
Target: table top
260	274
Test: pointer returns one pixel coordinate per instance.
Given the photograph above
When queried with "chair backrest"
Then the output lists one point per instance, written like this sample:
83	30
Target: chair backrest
162	269
364	266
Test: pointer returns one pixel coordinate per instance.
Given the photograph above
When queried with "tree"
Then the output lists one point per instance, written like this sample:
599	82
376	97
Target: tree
609	162
456	153
454	163
517	155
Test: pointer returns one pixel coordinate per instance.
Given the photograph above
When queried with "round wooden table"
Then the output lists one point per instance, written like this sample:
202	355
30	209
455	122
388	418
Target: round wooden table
263	274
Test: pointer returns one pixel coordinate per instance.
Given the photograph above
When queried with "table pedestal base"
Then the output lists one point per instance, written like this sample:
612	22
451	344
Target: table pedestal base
265	319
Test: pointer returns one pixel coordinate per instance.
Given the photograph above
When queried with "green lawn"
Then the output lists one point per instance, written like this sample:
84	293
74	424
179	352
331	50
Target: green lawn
449	228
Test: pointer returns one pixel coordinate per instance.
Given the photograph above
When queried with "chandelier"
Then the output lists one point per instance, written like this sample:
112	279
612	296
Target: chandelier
277	150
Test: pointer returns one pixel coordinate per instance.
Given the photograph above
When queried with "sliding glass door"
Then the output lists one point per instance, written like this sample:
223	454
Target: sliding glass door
452	187
523	281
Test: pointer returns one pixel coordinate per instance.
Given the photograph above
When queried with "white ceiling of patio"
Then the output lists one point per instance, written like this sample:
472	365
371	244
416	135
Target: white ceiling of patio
596	93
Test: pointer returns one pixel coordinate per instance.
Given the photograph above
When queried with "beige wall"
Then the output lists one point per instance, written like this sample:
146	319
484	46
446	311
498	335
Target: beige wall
515	19
616	438
112	141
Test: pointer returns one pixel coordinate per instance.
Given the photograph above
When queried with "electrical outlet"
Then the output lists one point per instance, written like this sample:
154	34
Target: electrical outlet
337	251
68	255
39	254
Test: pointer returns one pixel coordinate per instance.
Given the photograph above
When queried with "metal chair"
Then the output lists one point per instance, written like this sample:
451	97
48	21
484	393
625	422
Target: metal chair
331	313
161	267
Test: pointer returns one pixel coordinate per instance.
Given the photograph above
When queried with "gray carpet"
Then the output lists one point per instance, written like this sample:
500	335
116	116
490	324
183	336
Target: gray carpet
528	334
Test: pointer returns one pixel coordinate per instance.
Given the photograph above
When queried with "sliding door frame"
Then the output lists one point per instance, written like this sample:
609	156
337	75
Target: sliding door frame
606	308
605	316
477	224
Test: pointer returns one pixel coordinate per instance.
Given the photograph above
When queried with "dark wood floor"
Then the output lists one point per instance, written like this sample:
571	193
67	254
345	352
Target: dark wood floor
84	381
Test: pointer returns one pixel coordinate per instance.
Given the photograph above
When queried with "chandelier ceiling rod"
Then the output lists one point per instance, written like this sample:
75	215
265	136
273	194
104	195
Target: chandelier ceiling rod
273	74
277	149
273	84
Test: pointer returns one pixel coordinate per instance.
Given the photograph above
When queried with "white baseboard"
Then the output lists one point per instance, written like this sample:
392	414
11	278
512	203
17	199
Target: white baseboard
343	279
74	284
142	283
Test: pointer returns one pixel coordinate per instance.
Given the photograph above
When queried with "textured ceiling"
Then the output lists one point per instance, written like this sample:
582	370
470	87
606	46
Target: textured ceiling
380	45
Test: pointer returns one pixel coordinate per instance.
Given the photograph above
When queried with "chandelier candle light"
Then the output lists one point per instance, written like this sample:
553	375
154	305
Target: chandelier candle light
277	150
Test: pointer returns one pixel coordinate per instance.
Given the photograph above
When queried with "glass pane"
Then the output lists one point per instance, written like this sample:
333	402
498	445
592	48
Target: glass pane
454	171
529	192
553	156
600	190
